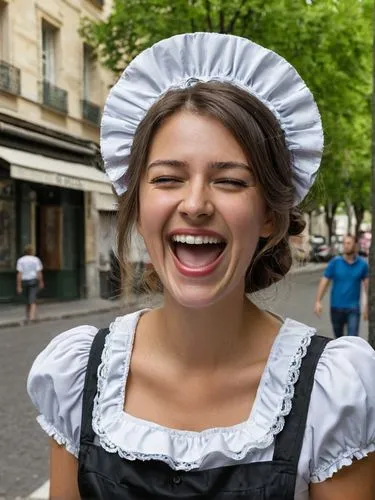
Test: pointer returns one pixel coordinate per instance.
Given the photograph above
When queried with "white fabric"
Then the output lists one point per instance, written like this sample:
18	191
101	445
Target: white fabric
181	61
29	266
340	424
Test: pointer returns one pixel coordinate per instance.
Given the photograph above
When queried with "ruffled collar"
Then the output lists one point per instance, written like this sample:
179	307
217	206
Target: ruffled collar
134	438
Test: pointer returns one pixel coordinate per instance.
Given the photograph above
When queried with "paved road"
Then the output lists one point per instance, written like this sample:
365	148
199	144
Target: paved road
23	457
294	298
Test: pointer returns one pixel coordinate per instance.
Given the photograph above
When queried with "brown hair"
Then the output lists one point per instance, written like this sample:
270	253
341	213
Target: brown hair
28	250
258	132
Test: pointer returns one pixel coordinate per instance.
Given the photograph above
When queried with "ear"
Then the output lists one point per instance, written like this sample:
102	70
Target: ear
268	226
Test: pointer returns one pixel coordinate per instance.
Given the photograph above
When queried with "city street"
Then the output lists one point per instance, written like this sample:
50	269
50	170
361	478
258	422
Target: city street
24	452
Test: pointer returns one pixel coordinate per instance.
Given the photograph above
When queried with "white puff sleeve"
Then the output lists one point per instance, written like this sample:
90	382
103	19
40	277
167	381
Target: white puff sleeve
341	421
55	385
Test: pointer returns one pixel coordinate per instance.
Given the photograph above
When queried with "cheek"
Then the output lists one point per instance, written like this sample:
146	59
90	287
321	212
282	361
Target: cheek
246	221
154	210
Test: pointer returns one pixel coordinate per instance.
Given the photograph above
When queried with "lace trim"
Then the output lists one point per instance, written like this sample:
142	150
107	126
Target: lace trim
346	459
52	432
262	443
293	376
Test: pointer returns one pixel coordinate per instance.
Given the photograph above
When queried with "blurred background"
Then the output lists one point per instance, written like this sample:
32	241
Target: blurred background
58	60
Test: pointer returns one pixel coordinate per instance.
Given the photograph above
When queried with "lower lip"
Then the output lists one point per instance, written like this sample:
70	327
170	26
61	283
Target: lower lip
197	272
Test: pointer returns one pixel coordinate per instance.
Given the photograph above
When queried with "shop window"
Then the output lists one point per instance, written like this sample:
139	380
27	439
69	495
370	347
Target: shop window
7	225
51	220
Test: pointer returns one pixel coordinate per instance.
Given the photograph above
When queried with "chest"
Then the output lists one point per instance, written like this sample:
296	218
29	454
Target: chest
120	479
348	274
133	460
192	402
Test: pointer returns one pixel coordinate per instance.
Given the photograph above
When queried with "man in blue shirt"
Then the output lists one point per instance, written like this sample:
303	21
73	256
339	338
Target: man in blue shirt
347	273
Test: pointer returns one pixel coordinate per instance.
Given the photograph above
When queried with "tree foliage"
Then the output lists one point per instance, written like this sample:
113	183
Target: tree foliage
328	41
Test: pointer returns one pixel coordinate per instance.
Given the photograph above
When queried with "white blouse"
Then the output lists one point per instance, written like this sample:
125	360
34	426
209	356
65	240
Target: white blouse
340	424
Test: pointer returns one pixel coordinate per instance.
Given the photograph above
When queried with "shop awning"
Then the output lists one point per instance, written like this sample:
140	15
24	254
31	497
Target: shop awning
106	202
44	170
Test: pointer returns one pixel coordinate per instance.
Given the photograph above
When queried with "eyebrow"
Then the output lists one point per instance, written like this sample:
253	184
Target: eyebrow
220	165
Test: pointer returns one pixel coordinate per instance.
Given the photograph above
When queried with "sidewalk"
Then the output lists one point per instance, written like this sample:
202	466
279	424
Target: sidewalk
14	315
311	267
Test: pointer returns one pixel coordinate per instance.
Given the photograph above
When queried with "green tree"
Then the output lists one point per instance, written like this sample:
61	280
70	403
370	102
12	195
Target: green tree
371	297
328	41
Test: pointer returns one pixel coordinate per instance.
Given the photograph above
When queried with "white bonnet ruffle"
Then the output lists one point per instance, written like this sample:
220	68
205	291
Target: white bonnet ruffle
182	60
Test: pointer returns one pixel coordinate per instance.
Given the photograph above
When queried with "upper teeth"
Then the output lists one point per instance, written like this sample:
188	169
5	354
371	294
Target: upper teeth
195	240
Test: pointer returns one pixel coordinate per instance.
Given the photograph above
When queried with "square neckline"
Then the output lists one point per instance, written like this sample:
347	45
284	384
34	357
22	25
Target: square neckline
209	430
136	438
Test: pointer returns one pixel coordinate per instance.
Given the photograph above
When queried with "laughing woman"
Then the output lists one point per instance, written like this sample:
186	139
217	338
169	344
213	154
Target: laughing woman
210	141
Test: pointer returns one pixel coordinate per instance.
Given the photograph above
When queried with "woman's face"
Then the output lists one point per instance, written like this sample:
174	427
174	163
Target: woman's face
200	212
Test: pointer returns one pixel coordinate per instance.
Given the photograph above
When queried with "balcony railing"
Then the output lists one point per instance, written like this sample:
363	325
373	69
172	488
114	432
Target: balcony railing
10	78
91	112
54	97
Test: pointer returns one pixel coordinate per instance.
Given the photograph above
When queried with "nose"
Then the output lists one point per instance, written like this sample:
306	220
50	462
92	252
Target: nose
196	202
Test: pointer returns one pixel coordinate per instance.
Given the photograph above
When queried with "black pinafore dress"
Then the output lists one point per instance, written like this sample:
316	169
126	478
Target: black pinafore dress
106	476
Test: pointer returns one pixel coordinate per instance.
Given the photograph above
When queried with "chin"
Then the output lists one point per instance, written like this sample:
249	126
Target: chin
198	296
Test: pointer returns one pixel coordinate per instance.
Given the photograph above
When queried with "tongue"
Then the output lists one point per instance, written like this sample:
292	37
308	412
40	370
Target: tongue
197	255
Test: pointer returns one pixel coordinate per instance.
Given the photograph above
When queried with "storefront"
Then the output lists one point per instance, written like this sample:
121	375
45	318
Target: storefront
107	216
48	202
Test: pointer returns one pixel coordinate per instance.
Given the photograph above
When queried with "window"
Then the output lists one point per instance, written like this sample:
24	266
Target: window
98	3
51	95
90	110
88	71
4	43
10	76
49	34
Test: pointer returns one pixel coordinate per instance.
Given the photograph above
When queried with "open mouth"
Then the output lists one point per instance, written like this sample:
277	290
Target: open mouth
197	251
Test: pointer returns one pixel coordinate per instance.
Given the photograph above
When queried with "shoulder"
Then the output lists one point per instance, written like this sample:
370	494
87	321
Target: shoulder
336	260
341	420
38	261
363	263
21	263
56	380
332	264
55	384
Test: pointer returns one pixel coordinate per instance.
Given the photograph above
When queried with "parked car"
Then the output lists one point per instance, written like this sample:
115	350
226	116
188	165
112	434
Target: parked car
320	250
338	243
301	249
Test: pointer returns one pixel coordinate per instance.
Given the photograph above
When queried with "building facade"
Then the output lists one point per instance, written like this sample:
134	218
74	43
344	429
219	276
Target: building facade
53	192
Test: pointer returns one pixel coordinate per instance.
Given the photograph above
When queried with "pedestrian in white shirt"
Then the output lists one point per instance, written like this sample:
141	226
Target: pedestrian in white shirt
29	280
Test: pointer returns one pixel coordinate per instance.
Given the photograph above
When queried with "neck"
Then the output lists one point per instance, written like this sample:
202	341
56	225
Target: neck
349	257
212	336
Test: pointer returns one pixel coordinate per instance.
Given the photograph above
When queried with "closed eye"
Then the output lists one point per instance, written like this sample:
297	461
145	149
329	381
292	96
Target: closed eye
164	179
232	182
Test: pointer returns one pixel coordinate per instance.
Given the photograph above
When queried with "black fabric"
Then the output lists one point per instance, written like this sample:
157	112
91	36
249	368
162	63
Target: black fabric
289	442
91	381
30	289
105	475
